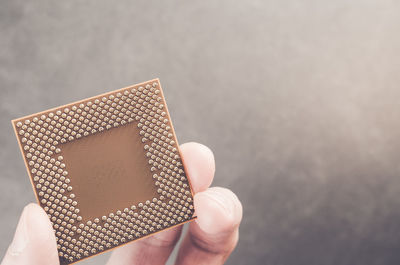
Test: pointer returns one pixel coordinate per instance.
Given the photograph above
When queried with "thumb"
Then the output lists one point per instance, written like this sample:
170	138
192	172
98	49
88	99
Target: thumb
34	240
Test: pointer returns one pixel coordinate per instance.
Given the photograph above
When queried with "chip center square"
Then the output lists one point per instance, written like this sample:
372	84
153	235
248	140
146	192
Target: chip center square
107	171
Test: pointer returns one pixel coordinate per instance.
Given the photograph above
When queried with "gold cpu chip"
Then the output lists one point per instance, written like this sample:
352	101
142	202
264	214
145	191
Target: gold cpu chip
107	170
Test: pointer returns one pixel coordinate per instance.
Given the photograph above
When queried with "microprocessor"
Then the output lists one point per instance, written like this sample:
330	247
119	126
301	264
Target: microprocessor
107	170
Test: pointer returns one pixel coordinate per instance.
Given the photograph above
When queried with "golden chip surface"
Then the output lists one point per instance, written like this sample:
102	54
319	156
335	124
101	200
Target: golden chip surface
107	170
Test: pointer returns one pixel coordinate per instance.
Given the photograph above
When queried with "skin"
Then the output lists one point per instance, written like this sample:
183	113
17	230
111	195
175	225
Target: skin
210	240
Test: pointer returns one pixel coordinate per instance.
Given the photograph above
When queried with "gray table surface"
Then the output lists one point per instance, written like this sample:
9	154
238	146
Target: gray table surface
299	100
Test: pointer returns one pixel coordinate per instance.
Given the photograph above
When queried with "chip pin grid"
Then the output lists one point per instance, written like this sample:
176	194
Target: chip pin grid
94	204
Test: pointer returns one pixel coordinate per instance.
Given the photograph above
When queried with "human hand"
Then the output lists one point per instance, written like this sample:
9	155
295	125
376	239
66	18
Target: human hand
210	239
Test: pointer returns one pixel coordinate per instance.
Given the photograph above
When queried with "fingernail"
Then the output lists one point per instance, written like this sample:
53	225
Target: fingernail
20	240
217	204
212	202
225	204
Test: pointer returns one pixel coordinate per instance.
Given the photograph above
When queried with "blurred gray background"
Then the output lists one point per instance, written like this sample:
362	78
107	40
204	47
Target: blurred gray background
300	101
